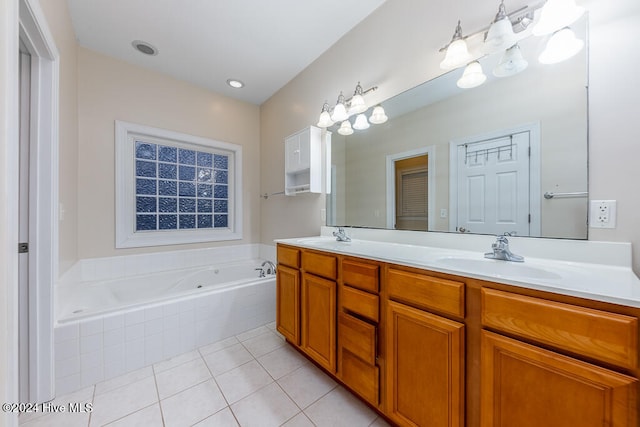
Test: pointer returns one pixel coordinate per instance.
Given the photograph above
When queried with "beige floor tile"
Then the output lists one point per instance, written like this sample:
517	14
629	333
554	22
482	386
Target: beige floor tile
299	420
81	396
252	333
212	348
147	417
175	361
243	380
306	385
282	361
182	377
226	359
340	408
115	404
193	405
380	422
263	344
224	418
267	407
123	380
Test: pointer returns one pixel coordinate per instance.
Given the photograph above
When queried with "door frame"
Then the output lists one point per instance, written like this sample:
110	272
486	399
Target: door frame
534	171
430	151
43	197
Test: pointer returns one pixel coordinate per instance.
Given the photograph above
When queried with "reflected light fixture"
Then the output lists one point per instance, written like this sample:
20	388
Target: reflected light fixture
345	128
340	110
378	116
361	122
357	105
557	14
562	45
457	52
325	118
511	63
472	76
235	83
500	35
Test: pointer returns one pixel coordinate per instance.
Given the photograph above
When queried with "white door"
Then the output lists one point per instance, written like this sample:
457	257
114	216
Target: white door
493	186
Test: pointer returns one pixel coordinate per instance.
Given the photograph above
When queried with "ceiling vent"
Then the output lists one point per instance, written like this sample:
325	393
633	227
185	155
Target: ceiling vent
144	47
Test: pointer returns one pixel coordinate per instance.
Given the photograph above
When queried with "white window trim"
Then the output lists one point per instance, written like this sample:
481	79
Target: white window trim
126	235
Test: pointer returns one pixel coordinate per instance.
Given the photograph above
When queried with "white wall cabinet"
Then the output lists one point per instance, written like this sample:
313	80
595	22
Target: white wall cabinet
306	160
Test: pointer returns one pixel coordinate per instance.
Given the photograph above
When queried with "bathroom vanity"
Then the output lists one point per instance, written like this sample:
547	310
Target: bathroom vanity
435	337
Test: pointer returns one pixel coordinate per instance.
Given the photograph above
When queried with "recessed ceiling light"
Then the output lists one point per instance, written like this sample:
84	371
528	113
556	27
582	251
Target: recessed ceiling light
144	47
235	83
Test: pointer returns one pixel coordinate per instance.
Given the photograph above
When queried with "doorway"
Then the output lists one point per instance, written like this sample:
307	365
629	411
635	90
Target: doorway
411	189
495	183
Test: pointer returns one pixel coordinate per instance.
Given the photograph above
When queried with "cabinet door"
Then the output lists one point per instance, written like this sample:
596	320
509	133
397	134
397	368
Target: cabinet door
527	386
319	320
425	368
288	303
292	153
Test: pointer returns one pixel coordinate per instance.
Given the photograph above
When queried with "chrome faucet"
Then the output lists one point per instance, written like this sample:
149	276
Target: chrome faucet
500	250
271	269
341	235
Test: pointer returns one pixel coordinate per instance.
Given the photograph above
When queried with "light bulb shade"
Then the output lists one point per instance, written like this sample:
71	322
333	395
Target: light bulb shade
500	36
556	14
457	55
345	128
339	113
561	46
472	76
378	116
325	120
511	63
361	122
357	105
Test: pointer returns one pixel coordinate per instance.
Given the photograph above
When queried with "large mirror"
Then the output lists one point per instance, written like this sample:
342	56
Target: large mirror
507	156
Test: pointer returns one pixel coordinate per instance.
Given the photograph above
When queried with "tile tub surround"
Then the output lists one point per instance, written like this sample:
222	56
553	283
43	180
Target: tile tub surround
248	379
98	348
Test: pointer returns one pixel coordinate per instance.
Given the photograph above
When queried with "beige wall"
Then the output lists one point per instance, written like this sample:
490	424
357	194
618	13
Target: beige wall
59	21
109	90
397	48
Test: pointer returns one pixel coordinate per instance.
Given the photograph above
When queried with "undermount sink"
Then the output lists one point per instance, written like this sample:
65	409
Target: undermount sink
497	268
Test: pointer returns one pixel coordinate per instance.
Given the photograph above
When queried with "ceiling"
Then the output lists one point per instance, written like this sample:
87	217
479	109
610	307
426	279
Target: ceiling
205	42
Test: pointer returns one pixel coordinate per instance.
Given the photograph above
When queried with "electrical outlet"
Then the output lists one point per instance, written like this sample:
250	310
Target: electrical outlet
603	214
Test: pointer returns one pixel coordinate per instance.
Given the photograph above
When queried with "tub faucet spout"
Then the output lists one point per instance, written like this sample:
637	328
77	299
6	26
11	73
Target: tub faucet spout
271	267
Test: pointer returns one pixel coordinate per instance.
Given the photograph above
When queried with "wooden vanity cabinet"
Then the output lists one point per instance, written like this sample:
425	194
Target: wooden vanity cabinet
425	351
534	384
288	294
318	308
358	318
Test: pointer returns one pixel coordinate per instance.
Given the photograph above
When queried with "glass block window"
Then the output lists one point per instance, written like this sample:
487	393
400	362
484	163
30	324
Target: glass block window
178	188
175	188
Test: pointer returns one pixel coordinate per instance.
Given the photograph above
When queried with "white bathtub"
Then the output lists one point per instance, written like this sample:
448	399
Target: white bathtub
109	327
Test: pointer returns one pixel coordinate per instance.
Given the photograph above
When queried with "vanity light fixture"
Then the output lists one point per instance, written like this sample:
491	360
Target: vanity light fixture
357	105
557	14
473	76
325	118
500	35
345	128
457	52
378	116
511	63
562	45
340	110
361	122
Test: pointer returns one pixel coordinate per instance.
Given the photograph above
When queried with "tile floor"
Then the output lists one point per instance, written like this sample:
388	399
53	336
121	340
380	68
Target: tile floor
252	379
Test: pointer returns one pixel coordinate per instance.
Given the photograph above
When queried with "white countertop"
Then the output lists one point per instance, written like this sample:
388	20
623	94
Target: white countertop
601	282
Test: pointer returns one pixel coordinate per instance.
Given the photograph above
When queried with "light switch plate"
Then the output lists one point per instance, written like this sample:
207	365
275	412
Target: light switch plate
602	214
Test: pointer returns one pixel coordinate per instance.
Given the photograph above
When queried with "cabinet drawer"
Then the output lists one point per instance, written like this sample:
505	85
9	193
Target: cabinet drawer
289	256
601	335
320	265
443	295
359	302
358	337
360	275
361	377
